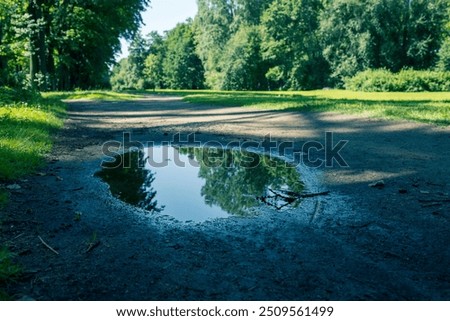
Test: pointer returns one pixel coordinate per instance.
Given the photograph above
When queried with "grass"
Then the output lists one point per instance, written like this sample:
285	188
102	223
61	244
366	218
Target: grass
25	134
423	107
27	122
9	271
96	95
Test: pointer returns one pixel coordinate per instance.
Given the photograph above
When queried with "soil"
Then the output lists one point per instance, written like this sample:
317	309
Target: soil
388	242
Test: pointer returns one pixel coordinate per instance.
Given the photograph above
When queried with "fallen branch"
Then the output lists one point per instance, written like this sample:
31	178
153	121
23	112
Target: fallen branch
314	194
316	211
48	246
298	195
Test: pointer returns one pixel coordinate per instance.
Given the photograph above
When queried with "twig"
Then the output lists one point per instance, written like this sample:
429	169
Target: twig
314	194
92	246
298	195
288	198
48	246
73	190
316	211
15	238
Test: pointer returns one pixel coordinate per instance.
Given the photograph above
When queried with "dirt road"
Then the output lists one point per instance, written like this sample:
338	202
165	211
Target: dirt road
358	243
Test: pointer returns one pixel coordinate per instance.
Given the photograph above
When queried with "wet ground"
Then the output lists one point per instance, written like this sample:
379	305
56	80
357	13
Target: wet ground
356	243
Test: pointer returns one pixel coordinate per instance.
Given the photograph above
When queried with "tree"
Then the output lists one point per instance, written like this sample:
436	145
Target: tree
358	35
182	67
68	43
212	32
216	22
291	45
153	64
443	63
242	64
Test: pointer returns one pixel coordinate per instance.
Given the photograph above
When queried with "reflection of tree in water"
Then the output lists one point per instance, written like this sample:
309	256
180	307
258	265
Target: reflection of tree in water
130	181
235	180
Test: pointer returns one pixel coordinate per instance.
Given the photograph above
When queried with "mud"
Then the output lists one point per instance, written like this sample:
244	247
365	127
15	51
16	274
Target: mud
357	243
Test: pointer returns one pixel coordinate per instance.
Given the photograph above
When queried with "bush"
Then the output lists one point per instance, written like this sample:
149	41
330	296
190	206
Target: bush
382	80
10	95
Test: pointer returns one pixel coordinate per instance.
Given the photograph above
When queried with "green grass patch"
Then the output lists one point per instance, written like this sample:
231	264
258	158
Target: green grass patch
9	271
426	107
96	95
25	133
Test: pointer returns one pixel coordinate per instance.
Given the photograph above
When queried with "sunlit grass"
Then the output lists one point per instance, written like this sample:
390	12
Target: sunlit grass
97	95
424	107
25	135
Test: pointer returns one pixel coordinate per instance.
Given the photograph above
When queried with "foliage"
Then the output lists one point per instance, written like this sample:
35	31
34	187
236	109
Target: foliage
182	67
156	61
25	129
49	44
242	64
358	35
444	56
426	107
153	64
291	45
8	270
125	76
216	22
236	177
406	80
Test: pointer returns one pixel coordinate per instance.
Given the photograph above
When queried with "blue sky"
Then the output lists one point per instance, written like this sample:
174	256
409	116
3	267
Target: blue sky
163	15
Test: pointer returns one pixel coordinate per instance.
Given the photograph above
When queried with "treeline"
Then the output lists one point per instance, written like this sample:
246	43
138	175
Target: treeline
63	44
289	44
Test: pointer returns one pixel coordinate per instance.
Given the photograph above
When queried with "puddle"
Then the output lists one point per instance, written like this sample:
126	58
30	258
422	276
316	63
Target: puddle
198	184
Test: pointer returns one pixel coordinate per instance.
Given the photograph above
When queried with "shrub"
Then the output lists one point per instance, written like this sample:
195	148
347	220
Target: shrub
382	80
10	95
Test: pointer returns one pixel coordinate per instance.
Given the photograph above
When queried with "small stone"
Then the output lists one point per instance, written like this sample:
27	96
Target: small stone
13	187
379	184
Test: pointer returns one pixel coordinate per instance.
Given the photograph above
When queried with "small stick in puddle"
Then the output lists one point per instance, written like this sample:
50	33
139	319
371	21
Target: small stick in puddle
48	246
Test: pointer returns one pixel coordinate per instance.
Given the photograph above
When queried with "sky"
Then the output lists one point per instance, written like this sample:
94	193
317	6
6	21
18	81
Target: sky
163	15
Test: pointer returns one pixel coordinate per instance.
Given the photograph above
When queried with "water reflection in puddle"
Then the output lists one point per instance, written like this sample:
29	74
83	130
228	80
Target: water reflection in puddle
197	184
